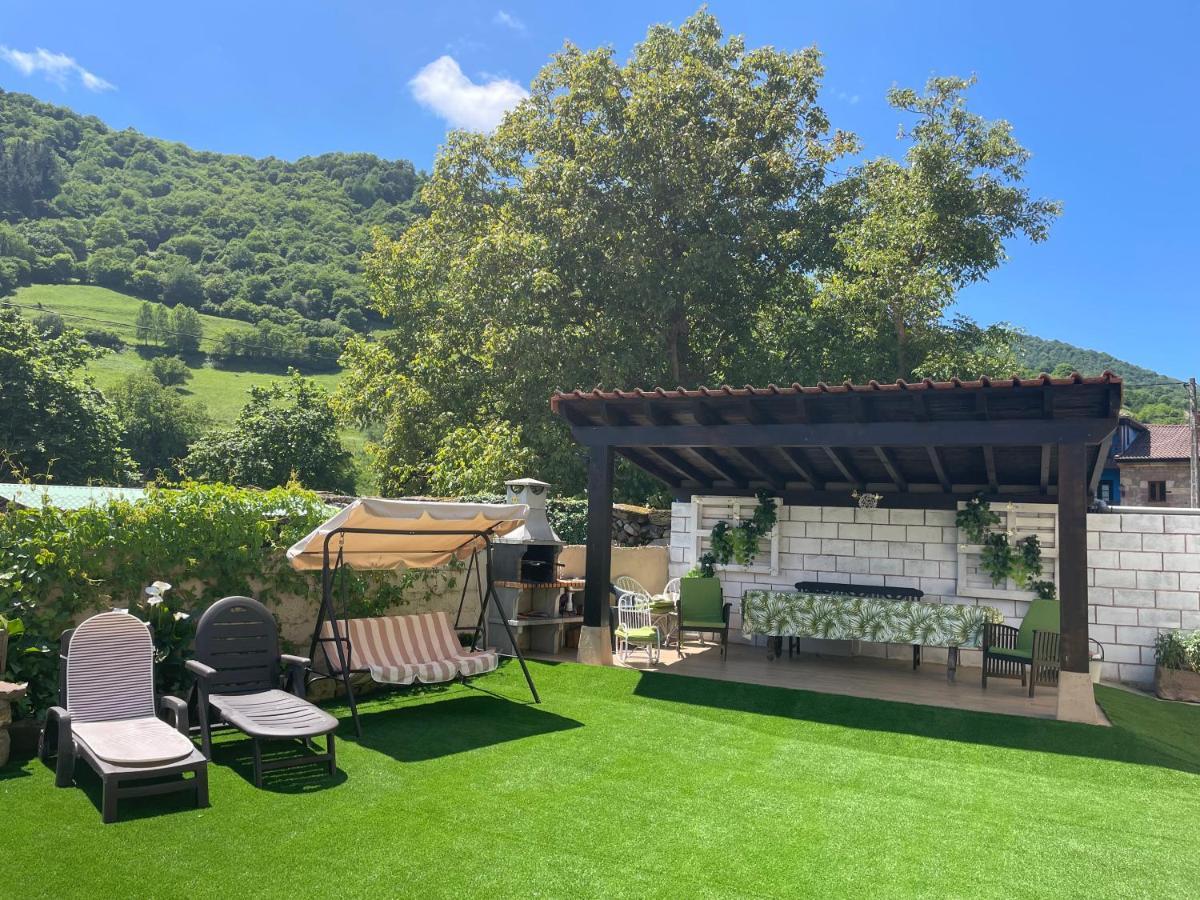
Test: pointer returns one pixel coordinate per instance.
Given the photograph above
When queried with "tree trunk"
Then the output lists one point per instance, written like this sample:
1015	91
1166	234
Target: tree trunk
903	369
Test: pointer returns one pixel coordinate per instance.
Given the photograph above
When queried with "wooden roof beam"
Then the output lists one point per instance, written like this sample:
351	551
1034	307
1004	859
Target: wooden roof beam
939	468
796	457
759	466
989	463
1044	475
893	469
843	466
676	461
720	466
647	460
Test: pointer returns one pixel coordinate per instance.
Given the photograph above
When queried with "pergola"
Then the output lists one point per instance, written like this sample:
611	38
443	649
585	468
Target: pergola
920	445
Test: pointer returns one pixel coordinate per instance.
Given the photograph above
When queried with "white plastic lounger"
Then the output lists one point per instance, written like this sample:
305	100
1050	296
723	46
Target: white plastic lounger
109	717
406	649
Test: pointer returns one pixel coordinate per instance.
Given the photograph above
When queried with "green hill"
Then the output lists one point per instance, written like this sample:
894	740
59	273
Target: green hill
230	235
1149	395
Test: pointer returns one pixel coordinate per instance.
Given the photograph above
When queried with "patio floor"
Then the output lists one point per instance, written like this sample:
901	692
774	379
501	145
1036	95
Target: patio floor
854	676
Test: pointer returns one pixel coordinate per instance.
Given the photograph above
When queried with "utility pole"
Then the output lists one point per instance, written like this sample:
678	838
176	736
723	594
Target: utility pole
1194	492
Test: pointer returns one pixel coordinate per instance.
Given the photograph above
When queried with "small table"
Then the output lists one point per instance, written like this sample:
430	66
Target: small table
9	694
665	618
795	614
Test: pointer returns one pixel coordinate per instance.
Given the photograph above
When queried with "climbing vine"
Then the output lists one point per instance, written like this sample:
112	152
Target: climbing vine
739	542
1000	556
209	541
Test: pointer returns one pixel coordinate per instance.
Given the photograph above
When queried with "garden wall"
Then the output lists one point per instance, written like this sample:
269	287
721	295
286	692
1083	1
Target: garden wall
1143	569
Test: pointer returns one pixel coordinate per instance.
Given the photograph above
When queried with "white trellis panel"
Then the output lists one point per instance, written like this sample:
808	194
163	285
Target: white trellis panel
1019	520
708	511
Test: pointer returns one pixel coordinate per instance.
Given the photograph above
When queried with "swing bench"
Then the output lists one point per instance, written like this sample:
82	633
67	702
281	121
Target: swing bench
373	534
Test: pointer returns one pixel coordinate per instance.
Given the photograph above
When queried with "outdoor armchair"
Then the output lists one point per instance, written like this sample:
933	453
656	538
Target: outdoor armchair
239	675
635	629
1008	652
107	717
702	609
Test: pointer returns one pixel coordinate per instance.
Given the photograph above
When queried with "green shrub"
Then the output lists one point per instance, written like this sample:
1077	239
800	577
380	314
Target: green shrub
210	541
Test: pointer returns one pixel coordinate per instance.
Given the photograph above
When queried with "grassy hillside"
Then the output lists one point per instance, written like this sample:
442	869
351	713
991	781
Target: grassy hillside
1150	395
85	306
222	391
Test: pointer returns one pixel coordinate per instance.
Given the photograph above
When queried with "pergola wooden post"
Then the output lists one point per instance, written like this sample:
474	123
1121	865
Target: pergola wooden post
1075	696
594	643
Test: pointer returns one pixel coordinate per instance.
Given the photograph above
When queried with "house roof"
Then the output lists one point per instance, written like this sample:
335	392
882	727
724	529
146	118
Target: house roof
1159	442
927	441
66	496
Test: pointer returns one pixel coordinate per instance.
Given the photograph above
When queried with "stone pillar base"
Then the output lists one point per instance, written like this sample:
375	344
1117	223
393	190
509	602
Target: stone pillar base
1076	699
595	646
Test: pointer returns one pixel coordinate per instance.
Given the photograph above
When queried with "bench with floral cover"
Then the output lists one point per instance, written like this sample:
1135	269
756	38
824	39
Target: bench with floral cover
840	617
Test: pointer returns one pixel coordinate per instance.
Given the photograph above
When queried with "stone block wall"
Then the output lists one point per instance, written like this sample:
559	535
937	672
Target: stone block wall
1136	478
1143	570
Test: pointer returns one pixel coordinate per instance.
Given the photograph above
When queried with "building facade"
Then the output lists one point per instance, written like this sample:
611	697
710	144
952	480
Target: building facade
1154	468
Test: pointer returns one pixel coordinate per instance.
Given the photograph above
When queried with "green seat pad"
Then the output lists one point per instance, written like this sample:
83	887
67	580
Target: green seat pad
638	635
662	605
715	624
1011	652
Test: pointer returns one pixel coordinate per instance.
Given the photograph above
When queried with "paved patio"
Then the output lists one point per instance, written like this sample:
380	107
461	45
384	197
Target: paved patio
856	676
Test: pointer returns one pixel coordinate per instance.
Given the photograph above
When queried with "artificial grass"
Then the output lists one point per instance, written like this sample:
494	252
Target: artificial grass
629	784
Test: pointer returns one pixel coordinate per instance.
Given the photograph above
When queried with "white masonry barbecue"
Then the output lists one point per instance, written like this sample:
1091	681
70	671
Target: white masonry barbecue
537	604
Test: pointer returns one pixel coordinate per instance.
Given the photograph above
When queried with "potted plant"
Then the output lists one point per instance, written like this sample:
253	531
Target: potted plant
1177	665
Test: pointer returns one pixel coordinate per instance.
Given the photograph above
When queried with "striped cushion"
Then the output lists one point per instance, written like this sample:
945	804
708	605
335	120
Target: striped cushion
404	649
110	669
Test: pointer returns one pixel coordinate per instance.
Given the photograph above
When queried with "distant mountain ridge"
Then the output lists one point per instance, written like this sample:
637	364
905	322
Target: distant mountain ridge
1151	396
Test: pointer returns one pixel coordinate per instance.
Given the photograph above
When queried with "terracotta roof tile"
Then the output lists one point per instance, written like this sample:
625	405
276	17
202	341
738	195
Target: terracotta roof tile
1160	442
821	387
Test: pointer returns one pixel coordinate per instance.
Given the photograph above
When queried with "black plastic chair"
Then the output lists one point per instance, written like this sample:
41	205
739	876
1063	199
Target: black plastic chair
239	675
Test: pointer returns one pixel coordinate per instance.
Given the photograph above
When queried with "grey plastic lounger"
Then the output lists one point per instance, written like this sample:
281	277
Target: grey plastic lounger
106	716
238	665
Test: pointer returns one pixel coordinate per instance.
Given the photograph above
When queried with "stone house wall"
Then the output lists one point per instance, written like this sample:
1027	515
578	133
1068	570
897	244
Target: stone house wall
1136	478
1143	571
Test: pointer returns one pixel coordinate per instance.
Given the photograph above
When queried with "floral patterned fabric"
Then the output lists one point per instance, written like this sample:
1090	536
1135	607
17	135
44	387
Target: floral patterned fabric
841	617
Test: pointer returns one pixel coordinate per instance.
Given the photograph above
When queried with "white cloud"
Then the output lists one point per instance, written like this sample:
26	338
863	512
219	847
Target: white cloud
442	87
847	97
508	20
55	67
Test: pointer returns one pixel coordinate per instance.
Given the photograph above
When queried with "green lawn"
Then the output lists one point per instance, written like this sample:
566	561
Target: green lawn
80	303
630	784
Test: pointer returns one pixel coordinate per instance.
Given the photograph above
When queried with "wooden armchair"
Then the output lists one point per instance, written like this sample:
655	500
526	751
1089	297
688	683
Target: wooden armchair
1008	651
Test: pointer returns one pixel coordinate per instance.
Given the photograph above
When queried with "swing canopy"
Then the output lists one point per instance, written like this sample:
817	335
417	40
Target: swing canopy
394	534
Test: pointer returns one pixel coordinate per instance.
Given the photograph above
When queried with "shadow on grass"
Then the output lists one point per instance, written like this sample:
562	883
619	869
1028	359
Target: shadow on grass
236	753
1145	731
458	724
132	808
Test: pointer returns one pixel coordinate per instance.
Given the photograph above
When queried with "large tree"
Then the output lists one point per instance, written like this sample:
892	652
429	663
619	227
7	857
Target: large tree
918	230
53	422
622	225
677	219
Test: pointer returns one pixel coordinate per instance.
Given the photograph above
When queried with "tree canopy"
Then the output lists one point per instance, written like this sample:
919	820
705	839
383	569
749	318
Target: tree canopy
285	433
229	234
53	422
679	218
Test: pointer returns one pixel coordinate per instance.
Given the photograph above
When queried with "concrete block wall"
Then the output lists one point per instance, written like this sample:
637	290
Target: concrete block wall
1143	570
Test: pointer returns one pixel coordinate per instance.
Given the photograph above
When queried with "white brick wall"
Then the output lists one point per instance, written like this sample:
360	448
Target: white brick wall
1143	569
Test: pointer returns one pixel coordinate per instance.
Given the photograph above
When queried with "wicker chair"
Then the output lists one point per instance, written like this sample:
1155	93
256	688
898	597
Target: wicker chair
1008	651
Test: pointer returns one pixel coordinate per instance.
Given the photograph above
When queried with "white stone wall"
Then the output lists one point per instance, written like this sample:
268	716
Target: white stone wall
1143	570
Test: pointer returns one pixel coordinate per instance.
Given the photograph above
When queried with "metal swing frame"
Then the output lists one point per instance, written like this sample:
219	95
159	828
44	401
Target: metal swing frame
487	595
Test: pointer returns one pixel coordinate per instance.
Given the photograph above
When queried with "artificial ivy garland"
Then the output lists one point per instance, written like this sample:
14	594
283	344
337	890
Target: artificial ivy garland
999	557
739	542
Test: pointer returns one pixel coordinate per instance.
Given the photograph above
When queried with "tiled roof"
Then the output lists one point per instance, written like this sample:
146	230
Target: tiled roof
1160	442
823	388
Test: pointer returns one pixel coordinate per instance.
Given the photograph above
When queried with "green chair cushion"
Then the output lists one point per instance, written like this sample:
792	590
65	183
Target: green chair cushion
700	600
662	605
646	635
1042	615
702	624
1011	653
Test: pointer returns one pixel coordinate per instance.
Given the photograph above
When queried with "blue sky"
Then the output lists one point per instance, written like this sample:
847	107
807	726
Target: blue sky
1103	94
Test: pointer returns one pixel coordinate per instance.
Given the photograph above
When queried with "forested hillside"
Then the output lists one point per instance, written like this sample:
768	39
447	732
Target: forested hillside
1149	395
253	239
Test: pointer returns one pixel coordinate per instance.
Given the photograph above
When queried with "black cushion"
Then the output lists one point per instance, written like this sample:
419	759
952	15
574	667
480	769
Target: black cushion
859	590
